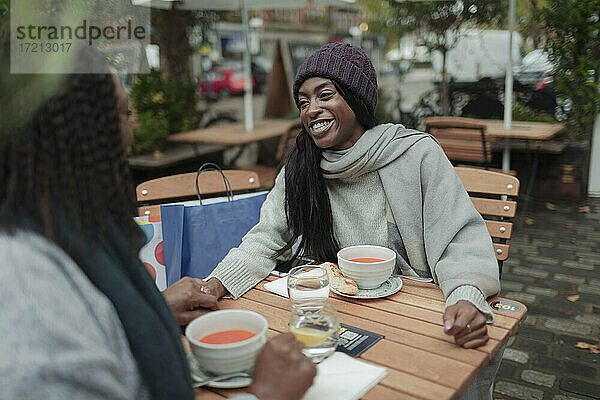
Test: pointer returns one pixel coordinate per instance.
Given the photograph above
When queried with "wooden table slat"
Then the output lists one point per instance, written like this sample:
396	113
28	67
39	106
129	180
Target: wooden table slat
522	129
420	363
431	291
381	392
423	289
399	306
407	383
235	134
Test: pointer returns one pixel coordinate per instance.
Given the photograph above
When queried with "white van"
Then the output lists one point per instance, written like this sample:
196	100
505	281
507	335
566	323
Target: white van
478	54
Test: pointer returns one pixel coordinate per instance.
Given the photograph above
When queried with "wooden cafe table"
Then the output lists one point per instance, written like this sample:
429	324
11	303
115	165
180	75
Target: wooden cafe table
519	130
422	362
235	134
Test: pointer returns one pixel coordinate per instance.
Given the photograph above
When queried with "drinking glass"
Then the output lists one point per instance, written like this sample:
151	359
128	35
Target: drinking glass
308	287
318	329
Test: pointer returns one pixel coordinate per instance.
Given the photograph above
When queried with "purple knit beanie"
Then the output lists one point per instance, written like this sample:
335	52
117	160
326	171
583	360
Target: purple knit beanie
346	64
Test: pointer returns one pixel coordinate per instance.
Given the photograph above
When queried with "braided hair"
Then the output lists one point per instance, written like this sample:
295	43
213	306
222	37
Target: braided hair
307	205
67	158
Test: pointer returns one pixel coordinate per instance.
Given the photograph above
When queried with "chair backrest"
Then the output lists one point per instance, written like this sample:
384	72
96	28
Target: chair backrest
152	193
494	196
463	139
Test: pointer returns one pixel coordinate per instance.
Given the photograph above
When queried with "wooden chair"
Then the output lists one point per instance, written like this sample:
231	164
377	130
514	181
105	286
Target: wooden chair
152	193
266	173
463	139
494	195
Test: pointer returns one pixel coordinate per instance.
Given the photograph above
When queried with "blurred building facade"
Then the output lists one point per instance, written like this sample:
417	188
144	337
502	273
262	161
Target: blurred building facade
311	24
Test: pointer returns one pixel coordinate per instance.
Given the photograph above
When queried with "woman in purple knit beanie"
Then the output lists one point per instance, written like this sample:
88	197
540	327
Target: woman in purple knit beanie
351	180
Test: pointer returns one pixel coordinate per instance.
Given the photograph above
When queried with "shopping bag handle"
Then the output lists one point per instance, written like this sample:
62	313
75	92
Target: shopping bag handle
213	167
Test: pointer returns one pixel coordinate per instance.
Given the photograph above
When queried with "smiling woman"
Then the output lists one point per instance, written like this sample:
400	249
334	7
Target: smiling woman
326	116
350	180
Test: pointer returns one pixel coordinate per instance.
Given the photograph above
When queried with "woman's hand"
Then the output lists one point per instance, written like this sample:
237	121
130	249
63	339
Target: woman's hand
191	297
216	287
281	371
467	324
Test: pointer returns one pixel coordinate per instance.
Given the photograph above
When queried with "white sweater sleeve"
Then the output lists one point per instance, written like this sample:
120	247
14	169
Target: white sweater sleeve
243	267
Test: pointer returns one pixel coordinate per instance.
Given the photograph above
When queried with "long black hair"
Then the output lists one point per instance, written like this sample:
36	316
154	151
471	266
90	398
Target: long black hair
66	158
307	205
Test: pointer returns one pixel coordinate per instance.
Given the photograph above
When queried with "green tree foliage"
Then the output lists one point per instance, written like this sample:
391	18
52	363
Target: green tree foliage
151	134
572	30
157	98
527	21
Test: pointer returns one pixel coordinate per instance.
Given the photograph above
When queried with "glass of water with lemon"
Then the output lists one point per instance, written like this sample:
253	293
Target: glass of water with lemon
317	328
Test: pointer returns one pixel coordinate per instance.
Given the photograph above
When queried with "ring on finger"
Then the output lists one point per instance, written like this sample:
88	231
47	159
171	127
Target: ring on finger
469	328
205	290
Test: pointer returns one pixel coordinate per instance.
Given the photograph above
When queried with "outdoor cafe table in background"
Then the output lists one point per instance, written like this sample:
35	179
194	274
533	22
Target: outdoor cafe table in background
422	362
235	134
522	130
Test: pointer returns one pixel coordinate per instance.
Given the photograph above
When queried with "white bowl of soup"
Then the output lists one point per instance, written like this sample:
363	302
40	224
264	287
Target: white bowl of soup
369	266
227	341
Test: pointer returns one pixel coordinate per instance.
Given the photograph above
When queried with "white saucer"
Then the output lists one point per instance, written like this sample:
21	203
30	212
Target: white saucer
387	288
231	383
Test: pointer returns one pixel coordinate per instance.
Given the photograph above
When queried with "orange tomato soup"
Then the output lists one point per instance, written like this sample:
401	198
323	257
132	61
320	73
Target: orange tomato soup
228	336
367	259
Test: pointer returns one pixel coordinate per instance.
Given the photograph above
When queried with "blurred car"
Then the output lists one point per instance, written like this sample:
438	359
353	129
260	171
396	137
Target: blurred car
534	80
222	81
259	68
535	69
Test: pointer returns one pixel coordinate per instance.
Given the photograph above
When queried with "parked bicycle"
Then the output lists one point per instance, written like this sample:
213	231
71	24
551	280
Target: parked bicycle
485	99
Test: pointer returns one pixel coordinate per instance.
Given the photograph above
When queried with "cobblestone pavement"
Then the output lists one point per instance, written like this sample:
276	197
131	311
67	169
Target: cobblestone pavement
554	269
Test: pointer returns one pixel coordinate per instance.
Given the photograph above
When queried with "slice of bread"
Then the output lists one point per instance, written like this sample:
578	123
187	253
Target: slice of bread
338	281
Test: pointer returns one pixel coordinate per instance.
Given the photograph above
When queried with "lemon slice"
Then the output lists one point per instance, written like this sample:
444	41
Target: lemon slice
310	337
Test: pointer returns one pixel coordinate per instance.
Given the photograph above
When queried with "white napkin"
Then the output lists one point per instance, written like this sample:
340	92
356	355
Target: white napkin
278	286
342	377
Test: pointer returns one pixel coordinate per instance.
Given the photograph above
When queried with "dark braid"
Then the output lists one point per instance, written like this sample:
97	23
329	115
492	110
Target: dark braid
69	156
307	204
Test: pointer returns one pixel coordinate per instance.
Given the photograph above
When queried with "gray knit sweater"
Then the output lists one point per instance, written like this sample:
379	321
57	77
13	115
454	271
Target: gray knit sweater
61	337
395	188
